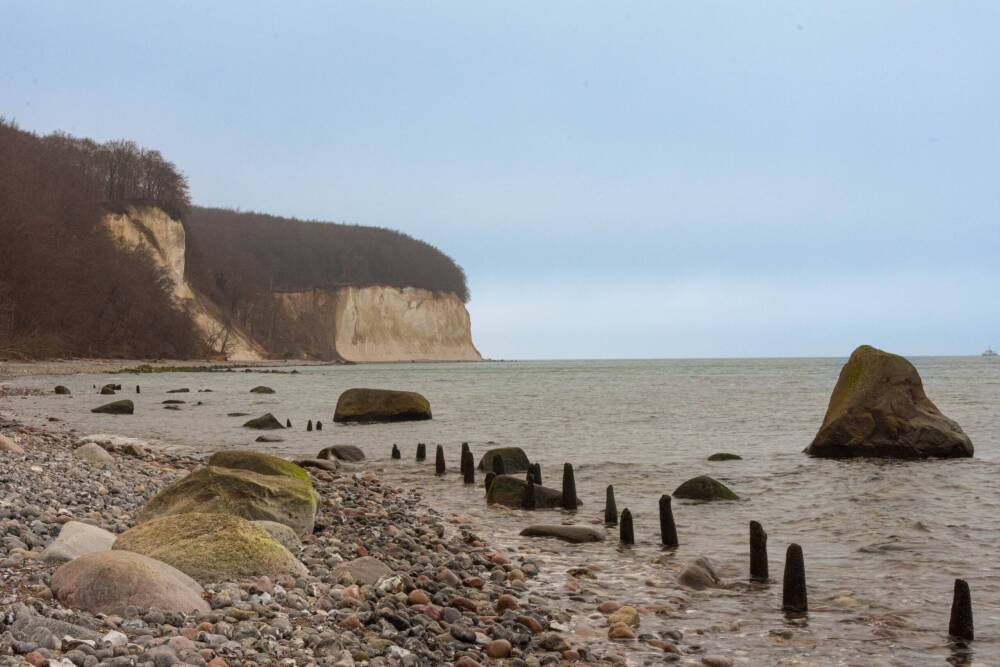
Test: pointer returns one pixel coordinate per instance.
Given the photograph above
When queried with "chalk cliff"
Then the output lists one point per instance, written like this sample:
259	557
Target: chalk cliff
359	324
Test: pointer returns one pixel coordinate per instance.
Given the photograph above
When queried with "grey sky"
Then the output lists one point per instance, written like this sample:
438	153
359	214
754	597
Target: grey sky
617	179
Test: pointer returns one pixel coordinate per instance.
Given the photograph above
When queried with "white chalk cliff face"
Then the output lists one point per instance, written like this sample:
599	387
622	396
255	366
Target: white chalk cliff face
360	324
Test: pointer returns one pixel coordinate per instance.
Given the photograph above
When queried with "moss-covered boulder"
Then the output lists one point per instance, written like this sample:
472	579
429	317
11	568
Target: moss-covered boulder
509	491
381	405
267	422
258	462
211	547
124	407
514	459
879	409
704	488
725	456
242	493
262	390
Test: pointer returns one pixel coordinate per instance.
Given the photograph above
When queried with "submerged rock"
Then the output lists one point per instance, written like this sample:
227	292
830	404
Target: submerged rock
574	534
109	582
123	407
509	491
704	487
262	390
381	405
211	547
699	574
108	390
348	453
266	422
242	493
725	456
62	390
76	539
879	409
514	459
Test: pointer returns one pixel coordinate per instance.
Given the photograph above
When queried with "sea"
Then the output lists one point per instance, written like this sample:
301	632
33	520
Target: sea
883	541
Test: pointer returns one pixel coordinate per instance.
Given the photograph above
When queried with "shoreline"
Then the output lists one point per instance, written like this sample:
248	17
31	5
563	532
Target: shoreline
471	600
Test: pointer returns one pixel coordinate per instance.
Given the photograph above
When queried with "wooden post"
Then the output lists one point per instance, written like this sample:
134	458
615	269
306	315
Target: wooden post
395	452
625	532
439	461
793	594
309	425
469	476
319	425
528	502
668	531
610	508
960	625
536	469
421	451
568	487
758	553
288	423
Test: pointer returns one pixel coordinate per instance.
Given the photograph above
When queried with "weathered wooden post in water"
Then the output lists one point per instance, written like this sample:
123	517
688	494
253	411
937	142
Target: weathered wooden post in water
463	459
469	474
528	502
625	532
960	625
490	476
421	451
319	425
396	454
668	530
309	425
758	553
568	487
439	461
793	593
288	423
536	471
137	390
610	508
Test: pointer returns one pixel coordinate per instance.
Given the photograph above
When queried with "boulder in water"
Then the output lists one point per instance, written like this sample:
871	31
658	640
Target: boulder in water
262	390
381	405
514	459
699	574
63	390
242	493
109	582
574	534
108	389
348	453
725	456
508	491
211	547
266	422
879	409
704	487
123	407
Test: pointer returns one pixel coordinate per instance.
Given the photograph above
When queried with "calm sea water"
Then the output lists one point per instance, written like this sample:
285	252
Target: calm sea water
883	541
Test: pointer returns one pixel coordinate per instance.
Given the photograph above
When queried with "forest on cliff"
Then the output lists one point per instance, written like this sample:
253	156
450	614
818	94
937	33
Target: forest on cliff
68	289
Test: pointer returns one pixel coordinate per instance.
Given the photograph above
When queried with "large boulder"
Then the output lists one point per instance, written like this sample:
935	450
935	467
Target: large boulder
349	453
258	462
508	491
381	405
211	547
266	422
109	582
574	534
76	539
514	459
704	487
879	409
242	493
123	407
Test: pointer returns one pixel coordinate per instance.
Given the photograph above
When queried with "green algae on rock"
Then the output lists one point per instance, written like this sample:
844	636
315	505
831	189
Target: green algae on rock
242	493
879	409
258	462
363	405
211	547
704	487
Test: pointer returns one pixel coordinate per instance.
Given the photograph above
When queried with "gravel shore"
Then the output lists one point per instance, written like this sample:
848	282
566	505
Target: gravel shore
449	598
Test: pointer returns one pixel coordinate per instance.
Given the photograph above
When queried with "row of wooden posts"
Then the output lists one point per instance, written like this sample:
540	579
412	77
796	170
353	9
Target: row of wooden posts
794	599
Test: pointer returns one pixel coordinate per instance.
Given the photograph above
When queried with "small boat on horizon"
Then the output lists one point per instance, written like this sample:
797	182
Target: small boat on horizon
989	352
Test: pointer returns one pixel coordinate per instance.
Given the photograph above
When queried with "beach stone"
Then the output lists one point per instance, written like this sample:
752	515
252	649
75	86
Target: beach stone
62	390
76	539
242	493
699	574
574	534
266	422
627	615
93	453
349	453
282	534
118	443
879	409
211	547
498	649
704	487
123	407
381	405
620	631
509	491
268	438
717	661
366	571
321	464
258	462
9	446
725	456
108	390
262	389
514	459
109	582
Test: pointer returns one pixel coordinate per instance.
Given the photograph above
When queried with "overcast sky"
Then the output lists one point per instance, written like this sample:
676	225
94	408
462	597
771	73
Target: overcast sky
662	179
